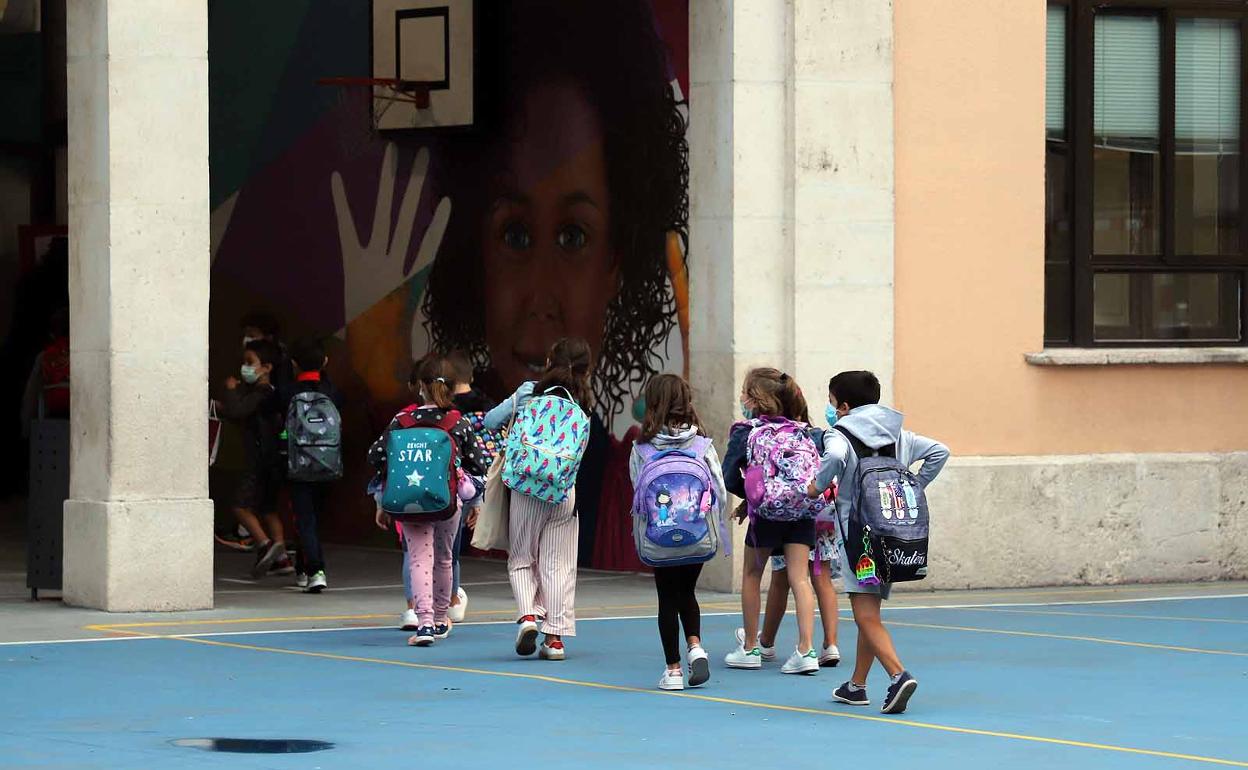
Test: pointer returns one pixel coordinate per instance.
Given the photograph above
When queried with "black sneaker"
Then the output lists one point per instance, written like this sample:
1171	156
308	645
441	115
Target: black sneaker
266	555
422	638
899	693
851	695
441	630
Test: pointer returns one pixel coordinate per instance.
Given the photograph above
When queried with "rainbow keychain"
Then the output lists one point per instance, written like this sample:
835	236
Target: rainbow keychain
864	570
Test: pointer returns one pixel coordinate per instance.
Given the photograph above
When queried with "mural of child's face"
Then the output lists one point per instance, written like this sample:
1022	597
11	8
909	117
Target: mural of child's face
550	269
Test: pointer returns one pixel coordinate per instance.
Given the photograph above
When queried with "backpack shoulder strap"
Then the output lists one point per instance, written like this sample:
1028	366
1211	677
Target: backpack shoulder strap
404	418
449	420
550	391
700	445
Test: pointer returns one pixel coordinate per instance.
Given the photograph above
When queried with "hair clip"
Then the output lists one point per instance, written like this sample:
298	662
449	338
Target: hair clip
784	377
440	379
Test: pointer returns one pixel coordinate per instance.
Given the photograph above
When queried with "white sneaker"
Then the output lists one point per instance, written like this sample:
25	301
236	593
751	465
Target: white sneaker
526	638
740	658
317	583
552	653
699	666
301	579
768	653
672	680
830	656
458	611
801	663
408	620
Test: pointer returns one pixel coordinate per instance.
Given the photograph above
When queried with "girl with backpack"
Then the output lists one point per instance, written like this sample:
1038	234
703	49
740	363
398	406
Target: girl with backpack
770	462
423	461
545	444
678	506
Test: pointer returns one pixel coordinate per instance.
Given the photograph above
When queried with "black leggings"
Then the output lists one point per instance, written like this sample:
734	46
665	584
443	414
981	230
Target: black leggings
677	606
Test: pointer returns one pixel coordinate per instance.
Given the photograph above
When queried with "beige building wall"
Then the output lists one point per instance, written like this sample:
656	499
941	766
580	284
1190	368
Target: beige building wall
969	94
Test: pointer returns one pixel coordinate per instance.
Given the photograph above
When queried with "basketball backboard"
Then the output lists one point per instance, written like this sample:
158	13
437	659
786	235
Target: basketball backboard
426	41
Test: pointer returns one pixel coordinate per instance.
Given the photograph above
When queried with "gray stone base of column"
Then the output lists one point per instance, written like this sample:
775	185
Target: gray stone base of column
138	556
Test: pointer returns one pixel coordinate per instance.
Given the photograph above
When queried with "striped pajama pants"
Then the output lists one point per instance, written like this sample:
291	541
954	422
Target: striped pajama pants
542	561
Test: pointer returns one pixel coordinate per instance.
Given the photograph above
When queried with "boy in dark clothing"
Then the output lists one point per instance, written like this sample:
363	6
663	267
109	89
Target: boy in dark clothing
255	404
466	395
263	326
308	497
472	404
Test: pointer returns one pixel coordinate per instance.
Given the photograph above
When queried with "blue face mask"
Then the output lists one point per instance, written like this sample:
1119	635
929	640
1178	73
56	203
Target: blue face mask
829	412
746	412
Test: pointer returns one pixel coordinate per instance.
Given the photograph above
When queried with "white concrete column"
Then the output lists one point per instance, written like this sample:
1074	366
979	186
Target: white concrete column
138	524
791	192
740	228
843	192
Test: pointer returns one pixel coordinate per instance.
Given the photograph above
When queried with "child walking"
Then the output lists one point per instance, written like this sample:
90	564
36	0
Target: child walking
419	460
677	508
473	405
543	454
863	428
254	402
314	452
825	567
771	404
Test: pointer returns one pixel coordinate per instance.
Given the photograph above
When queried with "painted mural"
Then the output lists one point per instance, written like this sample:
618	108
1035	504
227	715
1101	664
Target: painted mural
563	212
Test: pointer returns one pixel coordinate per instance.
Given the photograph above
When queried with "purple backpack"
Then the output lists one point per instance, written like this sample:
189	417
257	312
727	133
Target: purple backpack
676	518
781	461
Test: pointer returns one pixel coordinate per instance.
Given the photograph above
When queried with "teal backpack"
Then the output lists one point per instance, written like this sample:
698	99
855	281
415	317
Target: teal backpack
421	460
545	447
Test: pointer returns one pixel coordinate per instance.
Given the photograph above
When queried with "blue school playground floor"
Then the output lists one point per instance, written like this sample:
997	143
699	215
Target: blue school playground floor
1133	677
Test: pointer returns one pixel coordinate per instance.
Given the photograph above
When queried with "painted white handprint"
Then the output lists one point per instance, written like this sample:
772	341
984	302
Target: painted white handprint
372	270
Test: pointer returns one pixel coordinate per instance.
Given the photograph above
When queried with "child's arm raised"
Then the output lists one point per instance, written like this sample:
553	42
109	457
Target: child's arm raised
239	404
499	416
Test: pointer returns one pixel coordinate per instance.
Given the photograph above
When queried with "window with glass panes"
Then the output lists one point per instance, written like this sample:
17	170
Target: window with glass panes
1143	143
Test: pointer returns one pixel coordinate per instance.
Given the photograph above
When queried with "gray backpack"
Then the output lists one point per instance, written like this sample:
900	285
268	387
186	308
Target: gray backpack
313	438
887	535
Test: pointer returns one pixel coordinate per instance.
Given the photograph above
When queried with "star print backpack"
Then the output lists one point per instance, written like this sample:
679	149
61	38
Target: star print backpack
313	438
421	463
545	447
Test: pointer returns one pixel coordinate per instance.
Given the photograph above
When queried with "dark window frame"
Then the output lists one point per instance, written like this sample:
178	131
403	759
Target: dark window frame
1084	264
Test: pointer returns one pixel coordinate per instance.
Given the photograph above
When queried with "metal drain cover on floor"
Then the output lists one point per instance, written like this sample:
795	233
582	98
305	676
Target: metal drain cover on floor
254	745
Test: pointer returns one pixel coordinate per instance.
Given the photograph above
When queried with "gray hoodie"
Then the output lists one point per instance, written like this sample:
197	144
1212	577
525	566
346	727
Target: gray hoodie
680	438
876	426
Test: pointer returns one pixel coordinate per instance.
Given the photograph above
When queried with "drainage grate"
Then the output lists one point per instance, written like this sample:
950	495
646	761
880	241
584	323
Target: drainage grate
254	745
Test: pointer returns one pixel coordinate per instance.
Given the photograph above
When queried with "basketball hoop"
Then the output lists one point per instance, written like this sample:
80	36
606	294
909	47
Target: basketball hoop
374	97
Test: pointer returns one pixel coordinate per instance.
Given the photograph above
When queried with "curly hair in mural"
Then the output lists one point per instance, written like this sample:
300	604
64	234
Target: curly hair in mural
570	200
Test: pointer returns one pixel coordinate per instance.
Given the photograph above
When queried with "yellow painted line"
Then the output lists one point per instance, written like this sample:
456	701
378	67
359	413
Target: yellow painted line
1070	638
727	701
120	627
1105	615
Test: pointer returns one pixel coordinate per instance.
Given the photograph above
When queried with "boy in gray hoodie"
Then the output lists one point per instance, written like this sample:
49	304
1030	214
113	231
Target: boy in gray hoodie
854	410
